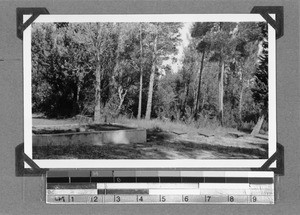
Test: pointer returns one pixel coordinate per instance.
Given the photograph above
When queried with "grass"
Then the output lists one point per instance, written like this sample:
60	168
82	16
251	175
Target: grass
165	140
175	126
160	145
192	127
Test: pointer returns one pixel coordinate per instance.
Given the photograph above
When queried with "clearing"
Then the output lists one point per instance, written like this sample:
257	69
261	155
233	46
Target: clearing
165	140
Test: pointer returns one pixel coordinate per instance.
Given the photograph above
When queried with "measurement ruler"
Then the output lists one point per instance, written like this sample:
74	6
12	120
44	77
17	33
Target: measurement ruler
159	187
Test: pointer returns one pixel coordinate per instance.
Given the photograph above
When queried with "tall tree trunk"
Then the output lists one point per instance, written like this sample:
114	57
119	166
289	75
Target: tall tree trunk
122	93
141	75
97	115
221	91
241	101
205	97
194	99
151	81
197	106
150	93
187	85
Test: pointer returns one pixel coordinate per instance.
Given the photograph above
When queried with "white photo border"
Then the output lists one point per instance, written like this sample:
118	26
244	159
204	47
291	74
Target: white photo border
149	164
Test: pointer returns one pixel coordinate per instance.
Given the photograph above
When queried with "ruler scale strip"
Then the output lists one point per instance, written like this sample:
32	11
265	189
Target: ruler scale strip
159	187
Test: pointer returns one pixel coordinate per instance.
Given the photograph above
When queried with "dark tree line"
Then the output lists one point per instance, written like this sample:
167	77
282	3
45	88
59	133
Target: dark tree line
108	69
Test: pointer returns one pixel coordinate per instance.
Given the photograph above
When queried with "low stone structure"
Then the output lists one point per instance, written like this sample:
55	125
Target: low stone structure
122	136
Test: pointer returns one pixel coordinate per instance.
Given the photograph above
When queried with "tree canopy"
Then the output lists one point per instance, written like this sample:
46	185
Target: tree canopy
110	69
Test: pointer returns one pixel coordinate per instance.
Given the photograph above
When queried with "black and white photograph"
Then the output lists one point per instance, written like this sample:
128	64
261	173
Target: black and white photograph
149	107
189	90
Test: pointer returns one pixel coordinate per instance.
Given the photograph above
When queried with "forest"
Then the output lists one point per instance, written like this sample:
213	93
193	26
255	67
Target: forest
110	70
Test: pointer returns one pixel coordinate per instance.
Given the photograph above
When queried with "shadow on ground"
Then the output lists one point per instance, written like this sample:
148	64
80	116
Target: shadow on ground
159	145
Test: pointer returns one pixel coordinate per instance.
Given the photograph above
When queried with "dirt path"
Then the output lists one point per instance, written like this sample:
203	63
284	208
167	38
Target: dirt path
161	144
164	145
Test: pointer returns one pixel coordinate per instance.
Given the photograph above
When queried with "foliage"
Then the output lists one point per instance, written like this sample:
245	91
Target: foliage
260	88
94	69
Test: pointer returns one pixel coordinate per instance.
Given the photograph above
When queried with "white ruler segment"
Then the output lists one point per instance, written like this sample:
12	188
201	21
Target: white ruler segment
147	185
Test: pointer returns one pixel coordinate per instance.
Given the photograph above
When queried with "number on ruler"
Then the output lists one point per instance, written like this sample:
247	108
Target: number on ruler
186	198
163	198
117	198
71	198
231	198
140	199
254	199
208	198
94	199
118	180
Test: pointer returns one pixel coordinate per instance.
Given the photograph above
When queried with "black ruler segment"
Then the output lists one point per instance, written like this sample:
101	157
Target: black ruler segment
236	180
58	180
192	180
214	180
102	179
80	179
124	179
170	179
147	179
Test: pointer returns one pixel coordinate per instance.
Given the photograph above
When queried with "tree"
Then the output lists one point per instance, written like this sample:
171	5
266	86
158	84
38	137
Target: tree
260	89
187	77
106	68
51	84
141	75
219	37
165	37
151	83
128	62
99	40
246	42
74	58
199	30
167	98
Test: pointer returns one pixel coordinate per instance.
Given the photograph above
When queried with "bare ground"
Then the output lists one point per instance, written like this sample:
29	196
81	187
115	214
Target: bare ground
162	144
